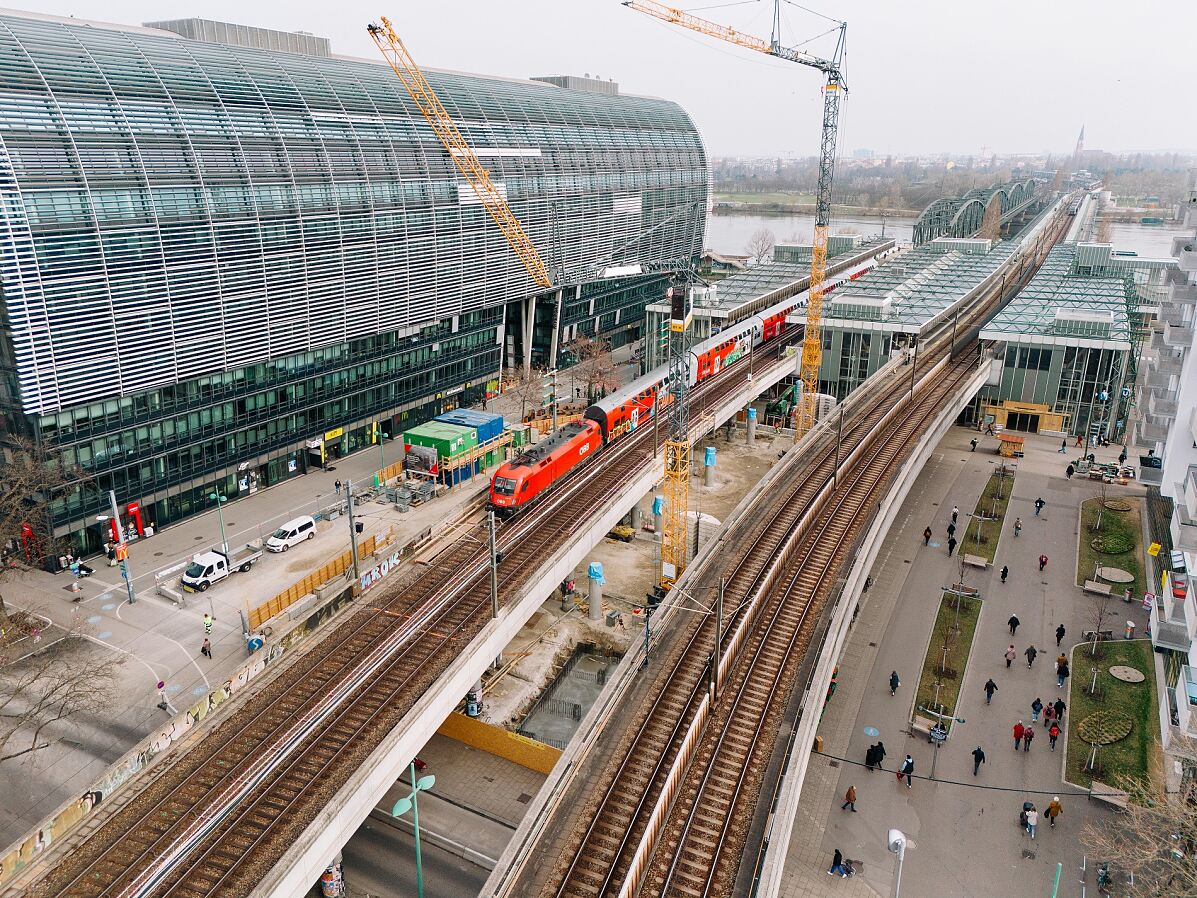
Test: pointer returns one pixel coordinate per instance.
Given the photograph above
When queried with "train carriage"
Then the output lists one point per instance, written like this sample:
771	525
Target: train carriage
530	474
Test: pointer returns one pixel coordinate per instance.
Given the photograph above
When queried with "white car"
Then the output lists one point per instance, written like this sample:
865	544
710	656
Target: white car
292	533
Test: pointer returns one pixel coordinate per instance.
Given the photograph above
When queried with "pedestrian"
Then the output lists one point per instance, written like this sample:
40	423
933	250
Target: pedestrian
894	683
906	770
1013	623
1079	441
1005	572
978	759
1059	635
1063	446
879	754
837	865
1039	503
951	544
1070	470
927	537
1032	821
206	649
1054	810
208	622
955	512
1010	655
1042	562
1027	735
1049	715
849	800
337	487
951	529
973	442
1036	707
1060	707
1061	675
1122	456
1019	732
1053	733
1017	527
871	758
1061	659
990	689
1031	652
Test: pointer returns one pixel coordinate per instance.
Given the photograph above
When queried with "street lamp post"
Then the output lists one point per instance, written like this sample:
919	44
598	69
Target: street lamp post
219	498
410	803
122	546
896	842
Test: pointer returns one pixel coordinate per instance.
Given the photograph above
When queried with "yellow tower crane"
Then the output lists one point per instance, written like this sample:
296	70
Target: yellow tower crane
459	150
833	89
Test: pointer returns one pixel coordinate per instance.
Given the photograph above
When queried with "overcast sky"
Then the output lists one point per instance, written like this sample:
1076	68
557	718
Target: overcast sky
924	75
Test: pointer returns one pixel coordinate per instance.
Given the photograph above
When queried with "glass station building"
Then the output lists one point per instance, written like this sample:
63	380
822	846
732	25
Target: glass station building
229	256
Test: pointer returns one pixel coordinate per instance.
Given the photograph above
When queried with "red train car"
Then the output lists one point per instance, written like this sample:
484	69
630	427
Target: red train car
530	474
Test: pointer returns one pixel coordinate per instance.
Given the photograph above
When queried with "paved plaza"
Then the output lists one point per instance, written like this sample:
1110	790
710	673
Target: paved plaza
964	834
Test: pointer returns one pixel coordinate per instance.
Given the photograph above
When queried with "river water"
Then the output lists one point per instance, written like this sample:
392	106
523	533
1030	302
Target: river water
730	233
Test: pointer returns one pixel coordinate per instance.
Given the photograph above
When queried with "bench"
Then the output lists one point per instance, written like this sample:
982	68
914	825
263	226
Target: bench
975	561
1102	636
922	725
1108	794
1099	589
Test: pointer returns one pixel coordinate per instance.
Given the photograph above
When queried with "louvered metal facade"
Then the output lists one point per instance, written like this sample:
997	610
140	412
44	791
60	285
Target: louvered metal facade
184	222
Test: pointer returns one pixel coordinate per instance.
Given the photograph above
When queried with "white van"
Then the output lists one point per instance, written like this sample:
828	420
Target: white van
292	533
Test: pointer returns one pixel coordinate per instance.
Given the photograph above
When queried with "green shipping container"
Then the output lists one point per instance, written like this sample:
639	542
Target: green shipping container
447	439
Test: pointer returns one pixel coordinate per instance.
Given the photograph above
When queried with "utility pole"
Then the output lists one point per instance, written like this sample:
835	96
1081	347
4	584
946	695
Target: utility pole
839	432
357	574
494	578
718	635
122	549
914	364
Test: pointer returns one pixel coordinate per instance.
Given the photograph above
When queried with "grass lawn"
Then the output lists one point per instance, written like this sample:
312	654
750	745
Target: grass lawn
960	644
1125	527
774	197
988	506
1137	754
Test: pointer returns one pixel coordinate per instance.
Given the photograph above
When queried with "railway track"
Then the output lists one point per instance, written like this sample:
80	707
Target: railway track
214	819
711	784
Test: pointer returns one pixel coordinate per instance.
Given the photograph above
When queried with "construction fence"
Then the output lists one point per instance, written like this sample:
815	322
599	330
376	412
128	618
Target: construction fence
330	571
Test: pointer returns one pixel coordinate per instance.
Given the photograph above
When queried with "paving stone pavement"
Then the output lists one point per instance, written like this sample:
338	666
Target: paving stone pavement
962	840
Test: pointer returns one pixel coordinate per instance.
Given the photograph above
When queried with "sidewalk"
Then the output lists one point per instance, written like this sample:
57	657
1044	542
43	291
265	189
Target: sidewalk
964	837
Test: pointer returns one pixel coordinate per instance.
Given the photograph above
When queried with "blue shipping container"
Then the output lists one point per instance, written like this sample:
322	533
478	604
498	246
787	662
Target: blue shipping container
488	426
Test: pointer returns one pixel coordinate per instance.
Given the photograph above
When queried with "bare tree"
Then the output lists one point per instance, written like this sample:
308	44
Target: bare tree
30	479
991	222
1100	613
529	390
1152	847
595	367
760	245
42	692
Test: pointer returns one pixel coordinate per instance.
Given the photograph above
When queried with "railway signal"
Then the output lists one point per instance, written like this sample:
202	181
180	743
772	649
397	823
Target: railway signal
550	393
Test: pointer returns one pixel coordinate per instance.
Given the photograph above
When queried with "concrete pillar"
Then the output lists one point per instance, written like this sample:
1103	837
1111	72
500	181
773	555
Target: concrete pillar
751	425
636	515
708	471
595	574
529	327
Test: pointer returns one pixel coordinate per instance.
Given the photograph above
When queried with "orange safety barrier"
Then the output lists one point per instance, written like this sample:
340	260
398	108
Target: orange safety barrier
308	584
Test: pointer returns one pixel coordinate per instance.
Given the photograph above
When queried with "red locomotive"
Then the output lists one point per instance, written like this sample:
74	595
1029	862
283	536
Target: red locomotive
530	474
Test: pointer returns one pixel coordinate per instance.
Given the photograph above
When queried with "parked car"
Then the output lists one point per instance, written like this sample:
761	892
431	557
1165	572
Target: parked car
292	533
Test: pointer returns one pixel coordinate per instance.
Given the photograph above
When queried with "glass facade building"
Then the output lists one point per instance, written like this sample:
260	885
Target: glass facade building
215	258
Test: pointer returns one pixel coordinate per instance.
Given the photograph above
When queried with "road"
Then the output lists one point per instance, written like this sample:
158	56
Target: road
379	862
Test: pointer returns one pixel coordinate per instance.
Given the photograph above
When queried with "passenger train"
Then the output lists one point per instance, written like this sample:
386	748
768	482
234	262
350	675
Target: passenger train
538	468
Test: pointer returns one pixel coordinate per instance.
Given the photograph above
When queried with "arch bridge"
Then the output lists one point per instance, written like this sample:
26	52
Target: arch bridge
962	216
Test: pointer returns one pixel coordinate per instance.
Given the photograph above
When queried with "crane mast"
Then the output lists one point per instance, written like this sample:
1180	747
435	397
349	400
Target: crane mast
834	88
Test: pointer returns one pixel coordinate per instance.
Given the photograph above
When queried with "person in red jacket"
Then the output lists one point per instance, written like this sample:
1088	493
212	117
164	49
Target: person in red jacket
1019	730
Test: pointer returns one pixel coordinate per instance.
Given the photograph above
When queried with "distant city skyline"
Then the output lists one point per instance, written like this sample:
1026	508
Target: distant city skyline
943	78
